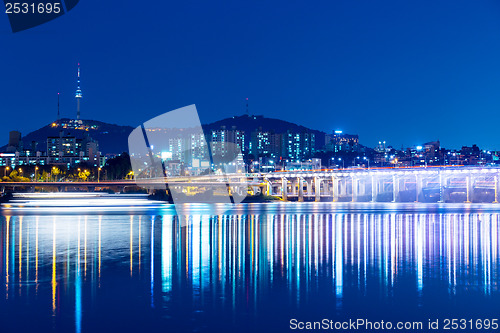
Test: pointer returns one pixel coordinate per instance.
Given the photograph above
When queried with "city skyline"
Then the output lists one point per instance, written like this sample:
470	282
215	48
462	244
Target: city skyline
264	144
333	131
374	67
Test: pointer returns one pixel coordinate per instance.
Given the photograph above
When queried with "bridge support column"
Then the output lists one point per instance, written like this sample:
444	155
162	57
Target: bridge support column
301	189
256	190
418	187
441	188
374	188
496	190
470	188
317	189
268	189
354	184
343	187
335	189
310	187
284	189
395	188
362	187
294	186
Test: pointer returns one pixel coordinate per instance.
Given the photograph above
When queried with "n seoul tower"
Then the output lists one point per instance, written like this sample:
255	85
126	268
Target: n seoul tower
78	95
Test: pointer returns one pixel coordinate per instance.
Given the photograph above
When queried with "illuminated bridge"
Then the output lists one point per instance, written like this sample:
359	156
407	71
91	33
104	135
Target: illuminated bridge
419	184
429	184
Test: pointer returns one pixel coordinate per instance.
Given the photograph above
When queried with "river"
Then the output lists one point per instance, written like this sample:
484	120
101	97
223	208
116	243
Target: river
252	268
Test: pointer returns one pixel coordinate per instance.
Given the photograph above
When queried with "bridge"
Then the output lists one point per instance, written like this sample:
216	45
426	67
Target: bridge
417	184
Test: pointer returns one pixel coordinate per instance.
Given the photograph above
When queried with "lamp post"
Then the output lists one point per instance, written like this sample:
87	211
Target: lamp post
5	171
21	172
354	161
98	174
36	172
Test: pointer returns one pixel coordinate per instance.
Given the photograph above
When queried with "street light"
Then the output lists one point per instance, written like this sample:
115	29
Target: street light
98	174
5	171
354	161
36	172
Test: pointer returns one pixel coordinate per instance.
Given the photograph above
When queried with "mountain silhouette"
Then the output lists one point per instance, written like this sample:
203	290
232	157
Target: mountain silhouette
250	123
113	139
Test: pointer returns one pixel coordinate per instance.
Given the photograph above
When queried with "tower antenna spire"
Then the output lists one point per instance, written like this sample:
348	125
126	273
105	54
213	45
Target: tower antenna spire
78	95
248	114
58	112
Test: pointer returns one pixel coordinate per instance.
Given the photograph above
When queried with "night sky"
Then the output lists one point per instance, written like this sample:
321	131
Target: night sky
405	72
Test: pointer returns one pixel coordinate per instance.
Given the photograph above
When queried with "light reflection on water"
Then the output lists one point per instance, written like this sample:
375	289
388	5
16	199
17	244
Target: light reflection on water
197	270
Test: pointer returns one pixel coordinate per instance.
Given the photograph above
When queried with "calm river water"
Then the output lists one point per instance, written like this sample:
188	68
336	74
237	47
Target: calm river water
252	268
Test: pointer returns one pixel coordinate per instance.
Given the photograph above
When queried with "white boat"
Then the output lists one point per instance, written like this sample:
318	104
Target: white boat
84	200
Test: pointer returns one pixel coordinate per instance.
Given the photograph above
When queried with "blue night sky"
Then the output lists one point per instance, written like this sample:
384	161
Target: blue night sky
400	71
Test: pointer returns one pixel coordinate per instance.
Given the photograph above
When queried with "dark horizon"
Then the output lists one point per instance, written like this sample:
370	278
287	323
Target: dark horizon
470	144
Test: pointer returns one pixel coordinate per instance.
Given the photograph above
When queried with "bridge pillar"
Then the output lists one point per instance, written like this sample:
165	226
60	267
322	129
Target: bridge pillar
284	189
496	190
354	189
395	188
269	188
309	187
446	191
317	189
256	190
335	189
362	186
470	188
418	187
301	189
294	186
374	188
441	188
343	187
